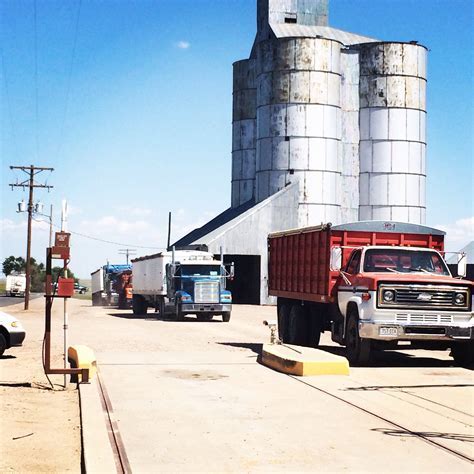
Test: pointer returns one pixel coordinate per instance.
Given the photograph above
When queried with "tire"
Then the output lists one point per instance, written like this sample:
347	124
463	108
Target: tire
283	312
463	354
139	305
3	344
226	317
357	349
161	307
178	314
297	325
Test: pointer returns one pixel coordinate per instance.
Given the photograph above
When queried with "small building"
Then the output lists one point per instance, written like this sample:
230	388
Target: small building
328	126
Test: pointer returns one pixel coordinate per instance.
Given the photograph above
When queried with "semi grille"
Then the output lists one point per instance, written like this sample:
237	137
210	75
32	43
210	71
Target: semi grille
206	292
424	297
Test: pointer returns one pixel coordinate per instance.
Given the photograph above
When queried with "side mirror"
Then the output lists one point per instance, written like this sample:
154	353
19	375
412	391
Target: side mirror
462	265
335	262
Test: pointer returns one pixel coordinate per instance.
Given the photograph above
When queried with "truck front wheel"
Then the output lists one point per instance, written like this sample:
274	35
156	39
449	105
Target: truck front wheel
358	350
226	317
463	353
139	305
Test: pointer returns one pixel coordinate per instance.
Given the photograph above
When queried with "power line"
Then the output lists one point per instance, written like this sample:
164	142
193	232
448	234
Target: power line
35	19
9	105
69	79
107	241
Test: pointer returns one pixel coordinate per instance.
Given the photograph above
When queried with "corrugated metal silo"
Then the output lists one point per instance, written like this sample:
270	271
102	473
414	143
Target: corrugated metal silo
299	123
392	132
244	131
349	147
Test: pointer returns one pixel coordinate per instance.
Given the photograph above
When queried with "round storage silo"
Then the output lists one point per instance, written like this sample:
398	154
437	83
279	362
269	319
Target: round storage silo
299	124
392	132
244	132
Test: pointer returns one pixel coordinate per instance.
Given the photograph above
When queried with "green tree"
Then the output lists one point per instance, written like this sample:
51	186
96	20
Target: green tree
38	271
14	264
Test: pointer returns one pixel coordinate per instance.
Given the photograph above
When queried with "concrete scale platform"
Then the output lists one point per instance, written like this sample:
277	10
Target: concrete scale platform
298	360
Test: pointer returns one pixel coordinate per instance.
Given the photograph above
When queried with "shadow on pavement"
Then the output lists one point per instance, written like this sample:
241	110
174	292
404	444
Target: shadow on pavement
427	434
253	346
395	358
157	317
375	388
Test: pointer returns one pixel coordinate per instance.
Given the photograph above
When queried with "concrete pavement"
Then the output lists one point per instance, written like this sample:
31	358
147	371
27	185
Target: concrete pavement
192	397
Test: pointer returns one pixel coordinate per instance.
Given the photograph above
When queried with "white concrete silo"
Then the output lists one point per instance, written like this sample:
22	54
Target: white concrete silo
392	132
244	132
299	123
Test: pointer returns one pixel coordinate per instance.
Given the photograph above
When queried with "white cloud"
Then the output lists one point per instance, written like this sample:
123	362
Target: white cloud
183	44
458	234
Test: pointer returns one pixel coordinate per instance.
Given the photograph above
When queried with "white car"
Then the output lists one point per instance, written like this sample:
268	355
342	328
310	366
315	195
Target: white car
12	332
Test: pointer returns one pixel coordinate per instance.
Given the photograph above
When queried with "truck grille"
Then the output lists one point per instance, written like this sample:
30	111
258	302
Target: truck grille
412	297
424	297
206	292
424	318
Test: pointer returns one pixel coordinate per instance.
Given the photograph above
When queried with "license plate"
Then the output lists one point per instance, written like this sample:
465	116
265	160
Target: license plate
388	332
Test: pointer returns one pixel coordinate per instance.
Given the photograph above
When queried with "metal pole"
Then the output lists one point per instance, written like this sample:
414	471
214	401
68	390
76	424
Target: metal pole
64	229
51	226
169	231
28	241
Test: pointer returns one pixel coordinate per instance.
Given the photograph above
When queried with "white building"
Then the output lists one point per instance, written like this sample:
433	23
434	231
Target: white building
328	126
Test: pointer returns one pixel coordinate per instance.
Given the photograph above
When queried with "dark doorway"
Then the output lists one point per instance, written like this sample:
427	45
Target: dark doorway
245	286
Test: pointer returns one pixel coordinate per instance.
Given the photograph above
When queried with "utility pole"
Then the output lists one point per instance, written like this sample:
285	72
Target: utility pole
127	252
30	183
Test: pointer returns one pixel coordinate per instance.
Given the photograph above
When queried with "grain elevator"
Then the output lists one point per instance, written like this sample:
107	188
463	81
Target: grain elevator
327	126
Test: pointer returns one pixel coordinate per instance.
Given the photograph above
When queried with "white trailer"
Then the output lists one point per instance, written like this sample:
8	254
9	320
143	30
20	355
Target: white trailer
15	285
181	282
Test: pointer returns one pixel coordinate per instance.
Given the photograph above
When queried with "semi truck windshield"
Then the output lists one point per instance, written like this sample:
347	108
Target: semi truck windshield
404	261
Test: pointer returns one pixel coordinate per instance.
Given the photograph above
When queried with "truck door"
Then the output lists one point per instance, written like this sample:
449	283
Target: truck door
345	290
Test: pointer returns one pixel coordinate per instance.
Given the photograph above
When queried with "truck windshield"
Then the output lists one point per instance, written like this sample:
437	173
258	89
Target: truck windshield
404	261
200	270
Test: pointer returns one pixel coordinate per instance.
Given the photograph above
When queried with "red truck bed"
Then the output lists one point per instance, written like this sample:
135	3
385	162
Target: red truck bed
299	259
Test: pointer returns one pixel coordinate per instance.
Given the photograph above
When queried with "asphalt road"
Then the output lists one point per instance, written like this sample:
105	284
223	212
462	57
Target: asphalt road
11	300
192	397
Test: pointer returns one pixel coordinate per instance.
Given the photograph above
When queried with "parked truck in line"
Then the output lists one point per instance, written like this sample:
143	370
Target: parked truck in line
102	284
182	282
15	285
123	287
372	284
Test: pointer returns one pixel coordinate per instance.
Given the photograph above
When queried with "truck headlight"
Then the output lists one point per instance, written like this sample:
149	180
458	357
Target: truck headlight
459	298
388	296
186	298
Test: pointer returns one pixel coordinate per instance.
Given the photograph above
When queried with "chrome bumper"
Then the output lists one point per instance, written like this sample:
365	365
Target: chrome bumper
413	332
193	308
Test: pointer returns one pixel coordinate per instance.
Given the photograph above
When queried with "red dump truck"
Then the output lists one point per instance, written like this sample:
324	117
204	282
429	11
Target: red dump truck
372	284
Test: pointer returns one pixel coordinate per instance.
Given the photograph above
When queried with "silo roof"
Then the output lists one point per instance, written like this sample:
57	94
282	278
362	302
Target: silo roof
290	30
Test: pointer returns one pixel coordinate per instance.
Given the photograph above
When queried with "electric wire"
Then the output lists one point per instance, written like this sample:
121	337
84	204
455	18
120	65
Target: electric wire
8	100
69	80
35	20
103	240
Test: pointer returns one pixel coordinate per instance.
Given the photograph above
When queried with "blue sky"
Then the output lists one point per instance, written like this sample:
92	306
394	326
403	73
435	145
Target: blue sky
146	125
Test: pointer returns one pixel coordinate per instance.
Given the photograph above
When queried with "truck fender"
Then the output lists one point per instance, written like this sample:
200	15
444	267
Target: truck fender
354	301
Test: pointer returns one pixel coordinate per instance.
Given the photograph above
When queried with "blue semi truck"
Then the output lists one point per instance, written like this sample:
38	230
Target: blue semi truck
182	282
